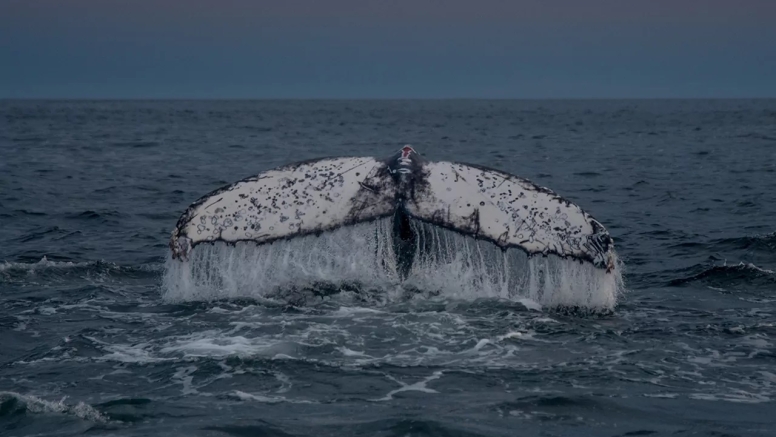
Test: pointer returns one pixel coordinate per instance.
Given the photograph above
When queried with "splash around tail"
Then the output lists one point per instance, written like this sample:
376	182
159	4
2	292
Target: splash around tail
364	258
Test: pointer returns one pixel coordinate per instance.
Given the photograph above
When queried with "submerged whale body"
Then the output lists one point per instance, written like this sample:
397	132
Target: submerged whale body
317	196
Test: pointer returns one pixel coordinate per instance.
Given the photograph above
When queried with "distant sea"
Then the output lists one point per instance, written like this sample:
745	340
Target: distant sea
90	191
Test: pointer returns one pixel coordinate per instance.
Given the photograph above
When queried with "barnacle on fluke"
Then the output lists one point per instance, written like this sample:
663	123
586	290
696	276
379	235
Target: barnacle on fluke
325	194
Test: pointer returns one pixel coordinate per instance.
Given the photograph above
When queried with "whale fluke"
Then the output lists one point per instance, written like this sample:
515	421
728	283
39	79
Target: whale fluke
325	194
294	200
510	212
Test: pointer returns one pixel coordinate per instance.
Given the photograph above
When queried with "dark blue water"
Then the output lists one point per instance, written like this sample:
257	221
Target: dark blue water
89	192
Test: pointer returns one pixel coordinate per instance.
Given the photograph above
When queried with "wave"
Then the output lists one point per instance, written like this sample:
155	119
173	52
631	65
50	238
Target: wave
12	403
91	215
86	214
43	264
361	257
29	212
49	232
757	136
44	268
588	174
764	243
763	247
136	144
387	426
727	275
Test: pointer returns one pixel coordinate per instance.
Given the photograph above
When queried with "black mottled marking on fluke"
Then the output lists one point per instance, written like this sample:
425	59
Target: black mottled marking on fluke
404	242
374	189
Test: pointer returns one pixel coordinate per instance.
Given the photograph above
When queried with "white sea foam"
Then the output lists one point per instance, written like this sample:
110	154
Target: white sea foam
418	386
737	396
243	396
44	263
446	264
34	404
45	266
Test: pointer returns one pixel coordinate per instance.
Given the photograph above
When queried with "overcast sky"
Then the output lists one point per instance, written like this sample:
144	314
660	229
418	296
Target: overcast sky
387	49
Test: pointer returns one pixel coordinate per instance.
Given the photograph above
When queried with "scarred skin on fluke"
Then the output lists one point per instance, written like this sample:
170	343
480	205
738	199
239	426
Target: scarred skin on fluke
320	195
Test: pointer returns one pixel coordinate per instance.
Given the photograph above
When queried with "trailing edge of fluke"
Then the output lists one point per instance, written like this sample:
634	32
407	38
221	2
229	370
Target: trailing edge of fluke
320	195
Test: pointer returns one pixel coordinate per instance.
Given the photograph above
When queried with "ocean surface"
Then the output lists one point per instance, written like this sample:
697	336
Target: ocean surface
93	343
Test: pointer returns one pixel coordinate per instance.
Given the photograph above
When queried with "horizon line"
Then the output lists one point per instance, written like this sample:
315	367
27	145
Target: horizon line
371	98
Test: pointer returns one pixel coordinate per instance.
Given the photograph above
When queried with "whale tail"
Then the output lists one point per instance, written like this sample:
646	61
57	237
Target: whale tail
321	195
